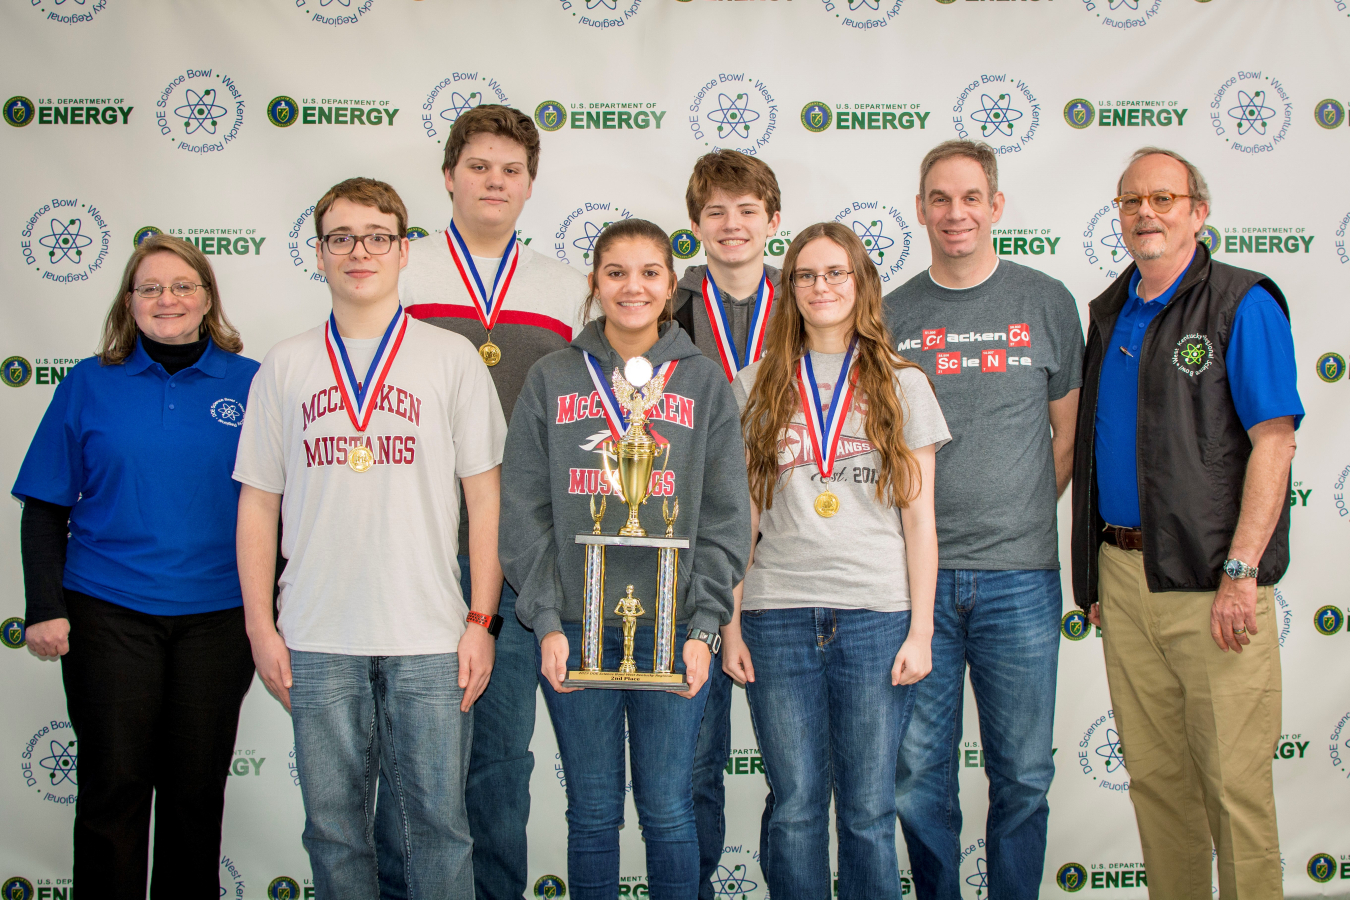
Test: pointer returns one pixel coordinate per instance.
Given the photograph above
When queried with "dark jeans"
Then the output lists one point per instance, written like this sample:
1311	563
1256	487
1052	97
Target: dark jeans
154	703
1006	625
710	761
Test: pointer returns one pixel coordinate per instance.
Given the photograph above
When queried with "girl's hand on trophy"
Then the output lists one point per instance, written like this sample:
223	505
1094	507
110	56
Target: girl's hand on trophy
554	650
736	656
697	657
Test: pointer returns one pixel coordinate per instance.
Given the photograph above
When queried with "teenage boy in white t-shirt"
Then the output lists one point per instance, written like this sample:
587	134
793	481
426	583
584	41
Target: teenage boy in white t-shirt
733	202
357	434
477	278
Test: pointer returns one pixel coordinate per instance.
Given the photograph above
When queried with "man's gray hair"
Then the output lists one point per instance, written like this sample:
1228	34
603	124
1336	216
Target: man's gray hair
1195	182
979	151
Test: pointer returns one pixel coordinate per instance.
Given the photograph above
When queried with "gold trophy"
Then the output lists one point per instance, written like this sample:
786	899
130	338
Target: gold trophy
635	455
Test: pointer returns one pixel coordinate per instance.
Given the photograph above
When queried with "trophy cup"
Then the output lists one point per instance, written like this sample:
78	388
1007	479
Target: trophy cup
637	391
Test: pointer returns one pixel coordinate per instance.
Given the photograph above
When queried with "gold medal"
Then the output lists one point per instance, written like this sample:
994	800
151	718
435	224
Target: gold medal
360	459
491	353
827	504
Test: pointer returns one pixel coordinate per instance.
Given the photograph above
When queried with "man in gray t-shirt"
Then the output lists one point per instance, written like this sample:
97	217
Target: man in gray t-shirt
1003	345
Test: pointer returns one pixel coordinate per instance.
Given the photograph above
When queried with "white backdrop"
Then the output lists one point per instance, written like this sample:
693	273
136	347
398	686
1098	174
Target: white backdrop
127	114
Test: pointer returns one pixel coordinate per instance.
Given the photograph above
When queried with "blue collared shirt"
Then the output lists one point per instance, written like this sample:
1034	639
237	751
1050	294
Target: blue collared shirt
145	458
1262	379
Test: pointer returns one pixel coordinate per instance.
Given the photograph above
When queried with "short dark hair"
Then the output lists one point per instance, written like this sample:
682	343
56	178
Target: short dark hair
736	174
363	192
493	118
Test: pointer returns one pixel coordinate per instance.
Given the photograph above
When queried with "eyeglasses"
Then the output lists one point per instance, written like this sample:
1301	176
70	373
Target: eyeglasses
178	289
1158	201
805	280
344	244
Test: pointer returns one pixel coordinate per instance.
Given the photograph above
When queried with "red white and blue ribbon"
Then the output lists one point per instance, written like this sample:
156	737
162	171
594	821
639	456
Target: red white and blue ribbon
489	303
826	429
733	360
614	415
359	397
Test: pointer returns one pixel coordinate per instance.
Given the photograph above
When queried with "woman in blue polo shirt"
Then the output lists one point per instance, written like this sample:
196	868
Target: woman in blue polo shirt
129	571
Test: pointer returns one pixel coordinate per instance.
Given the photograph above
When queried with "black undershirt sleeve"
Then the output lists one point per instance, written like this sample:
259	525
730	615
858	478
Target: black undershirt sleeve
44	529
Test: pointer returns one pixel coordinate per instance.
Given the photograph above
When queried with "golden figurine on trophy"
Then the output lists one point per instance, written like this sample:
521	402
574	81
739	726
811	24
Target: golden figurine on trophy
636	391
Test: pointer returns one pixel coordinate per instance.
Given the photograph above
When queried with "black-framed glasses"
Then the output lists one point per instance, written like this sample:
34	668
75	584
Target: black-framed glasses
178	289
805	280
377	244
1158	201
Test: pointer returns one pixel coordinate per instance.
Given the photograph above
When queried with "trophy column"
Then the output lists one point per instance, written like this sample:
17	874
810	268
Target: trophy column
593	610
667	561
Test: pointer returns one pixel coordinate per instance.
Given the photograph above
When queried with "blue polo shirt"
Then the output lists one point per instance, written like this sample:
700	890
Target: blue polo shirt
1262	379
145	458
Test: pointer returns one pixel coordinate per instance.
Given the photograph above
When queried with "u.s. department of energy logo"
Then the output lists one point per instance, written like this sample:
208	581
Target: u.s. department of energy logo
1322	867
454	95
1079	113
1210	237
17	888
76	13
417	232
600	115
1071	877
1193	354
1329	113
1000	110
283	111
1075	625
11	635
816	116
333	12
19	111
144	232
1328	620
200	111
550	887
574	238
863	15
1330	367
550	115
1252	112
15	371
1104	243
683	244
283	887
65	240
884	232
602	14
734	110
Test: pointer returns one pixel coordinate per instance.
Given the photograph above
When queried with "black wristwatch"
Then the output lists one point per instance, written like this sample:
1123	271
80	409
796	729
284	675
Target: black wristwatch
493	624
711	638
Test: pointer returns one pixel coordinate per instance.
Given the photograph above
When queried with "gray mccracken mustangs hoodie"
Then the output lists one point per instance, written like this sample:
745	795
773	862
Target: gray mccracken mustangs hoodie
552	466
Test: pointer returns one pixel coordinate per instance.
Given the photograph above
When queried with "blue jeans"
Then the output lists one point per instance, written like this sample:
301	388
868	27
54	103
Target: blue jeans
662	731
497	794
363	720
1006	625
829	721
710	761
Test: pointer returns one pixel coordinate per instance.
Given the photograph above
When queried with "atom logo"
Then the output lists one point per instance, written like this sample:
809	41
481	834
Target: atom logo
1193	354
59	2
201	111
732	882
608	4
343	2
733	116
979	879
1129	4
873	238
61	763
65	241
1112	751
996	116
460	104
586	243
859	4
1251	113
1115	242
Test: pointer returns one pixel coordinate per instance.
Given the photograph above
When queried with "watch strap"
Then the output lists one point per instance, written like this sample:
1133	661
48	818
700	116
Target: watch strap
711	638
492	623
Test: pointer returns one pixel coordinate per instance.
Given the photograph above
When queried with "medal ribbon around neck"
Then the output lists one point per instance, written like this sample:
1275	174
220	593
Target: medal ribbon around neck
614	415
359	398
488	303
825	430
733	361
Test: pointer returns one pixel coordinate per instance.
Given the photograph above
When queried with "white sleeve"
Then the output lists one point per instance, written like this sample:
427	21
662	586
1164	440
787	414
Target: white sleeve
477	425
261	459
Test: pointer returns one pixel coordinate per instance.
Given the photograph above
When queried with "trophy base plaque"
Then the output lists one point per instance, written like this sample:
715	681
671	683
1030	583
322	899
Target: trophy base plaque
636	681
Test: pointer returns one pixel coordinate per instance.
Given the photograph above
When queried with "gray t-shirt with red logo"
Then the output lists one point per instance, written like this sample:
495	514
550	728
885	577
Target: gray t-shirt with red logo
998	353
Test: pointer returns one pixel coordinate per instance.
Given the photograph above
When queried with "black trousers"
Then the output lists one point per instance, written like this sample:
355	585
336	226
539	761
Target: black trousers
154	703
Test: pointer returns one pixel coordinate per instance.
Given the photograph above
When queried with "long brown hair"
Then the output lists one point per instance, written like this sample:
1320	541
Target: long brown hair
119	328
775	399
630	230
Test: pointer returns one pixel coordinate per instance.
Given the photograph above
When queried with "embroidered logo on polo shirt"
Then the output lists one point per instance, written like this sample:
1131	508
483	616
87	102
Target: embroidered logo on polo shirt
228	412
1193	354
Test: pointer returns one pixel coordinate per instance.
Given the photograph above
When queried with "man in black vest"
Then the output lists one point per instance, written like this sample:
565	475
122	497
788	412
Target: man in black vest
1180	529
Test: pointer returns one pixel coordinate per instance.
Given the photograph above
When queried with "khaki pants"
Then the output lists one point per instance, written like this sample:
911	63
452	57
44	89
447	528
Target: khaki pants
1198	729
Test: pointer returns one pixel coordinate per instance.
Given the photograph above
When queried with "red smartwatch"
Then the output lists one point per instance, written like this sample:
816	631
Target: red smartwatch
492	623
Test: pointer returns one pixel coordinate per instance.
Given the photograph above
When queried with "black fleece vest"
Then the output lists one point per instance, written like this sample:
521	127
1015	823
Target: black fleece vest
1191	447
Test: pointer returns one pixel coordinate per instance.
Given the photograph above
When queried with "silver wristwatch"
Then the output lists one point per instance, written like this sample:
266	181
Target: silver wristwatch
1236	568
711	638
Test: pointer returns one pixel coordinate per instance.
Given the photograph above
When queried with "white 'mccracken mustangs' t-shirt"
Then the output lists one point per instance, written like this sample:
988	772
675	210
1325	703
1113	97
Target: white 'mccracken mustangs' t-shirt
855	559
371	565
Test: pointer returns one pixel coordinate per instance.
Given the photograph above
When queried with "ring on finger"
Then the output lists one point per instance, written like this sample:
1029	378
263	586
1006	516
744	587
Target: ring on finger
1239	631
